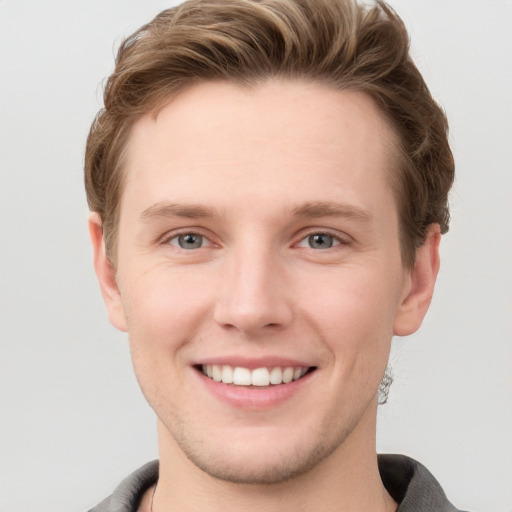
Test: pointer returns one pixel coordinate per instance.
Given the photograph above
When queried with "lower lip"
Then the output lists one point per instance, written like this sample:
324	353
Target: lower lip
254	398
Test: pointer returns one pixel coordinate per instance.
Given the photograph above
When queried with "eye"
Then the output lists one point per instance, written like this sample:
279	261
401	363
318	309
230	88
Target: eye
188	241
319	241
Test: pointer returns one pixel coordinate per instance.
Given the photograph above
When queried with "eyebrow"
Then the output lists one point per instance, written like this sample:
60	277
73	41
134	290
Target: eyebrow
165	210
330	209
315	209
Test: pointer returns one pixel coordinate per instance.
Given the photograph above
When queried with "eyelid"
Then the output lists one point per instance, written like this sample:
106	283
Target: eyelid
340	238
166	239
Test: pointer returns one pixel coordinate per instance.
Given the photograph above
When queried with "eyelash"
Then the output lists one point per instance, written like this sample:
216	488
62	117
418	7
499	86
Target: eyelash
168	240
337	240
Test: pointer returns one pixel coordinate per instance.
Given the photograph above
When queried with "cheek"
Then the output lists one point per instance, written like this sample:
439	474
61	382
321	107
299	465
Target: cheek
353	298
354	314
163	310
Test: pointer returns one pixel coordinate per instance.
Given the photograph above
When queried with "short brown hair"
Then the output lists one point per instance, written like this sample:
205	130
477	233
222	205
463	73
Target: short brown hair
336	42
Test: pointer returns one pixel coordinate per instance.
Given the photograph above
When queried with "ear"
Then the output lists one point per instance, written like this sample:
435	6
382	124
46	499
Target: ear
420	287
106	275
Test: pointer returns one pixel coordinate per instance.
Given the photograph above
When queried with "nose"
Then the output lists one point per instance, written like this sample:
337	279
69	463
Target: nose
254	297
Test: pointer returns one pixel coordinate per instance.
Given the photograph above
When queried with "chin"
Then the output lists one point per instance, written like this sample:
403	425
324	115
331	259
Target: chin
262	459
259	472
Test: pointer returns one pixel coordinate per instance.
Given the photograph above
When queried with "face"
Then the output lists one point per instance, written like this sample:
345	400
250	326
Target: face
259	274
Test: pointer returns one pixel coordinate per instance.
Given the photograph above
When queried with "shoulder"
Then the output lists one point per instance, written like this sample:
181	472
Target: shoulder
128	494
412	485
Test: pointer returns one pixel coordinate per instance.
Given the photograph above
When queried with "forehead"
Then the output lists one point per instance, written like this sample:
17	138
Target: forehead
260	140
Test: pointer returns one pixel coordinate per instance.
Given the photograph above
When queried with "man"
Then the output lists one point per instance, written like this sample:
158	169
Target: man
268	184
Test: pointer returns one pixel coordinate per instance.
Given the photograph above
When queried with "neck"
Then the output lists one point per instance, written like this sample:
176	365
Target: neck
347	480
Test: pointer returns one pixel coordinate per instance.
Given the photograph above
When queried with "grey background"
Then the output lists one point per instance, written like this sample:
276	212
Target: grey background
73	421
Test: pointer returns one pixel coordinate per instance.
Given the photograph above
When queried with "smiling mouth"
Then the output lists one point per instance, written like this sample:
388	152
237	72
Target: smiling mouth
259	377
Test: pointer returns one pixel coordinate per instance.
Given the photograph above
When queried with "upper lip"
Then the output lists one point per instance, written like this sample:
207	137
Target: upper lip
254	362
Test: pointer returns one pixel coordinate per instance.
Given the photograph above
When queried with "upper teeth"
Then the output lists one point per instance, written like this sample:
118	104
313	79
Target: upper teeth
258	377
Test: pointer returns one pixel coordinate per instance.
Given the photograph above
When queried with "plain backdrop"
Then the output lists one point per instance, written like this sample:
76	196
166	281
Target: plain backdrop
73	421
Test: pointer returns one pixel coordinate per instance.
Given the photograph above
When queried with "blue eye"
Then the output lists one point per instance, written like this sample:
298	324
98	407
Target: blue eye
319	241
188	241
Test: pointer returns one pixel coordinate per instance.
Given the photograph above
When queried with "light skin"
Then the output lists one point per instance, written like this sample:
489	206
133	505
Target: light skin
258	228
